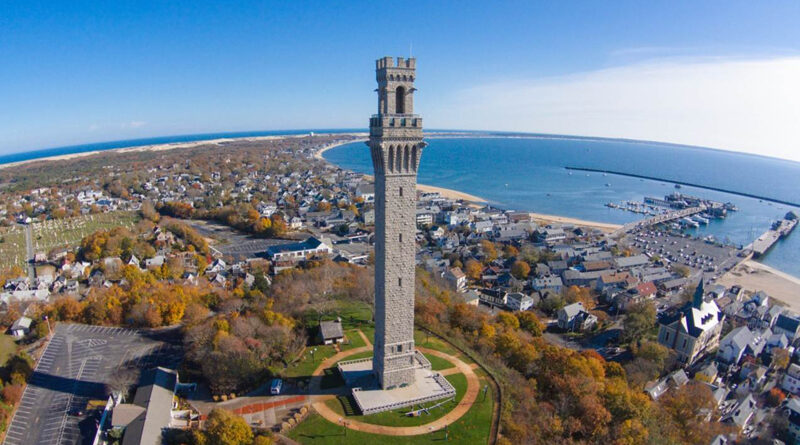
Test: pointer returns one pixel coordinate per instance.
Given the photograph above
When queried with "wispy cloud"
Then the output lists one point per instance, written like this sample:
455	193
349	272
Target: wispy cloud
134	124
748	105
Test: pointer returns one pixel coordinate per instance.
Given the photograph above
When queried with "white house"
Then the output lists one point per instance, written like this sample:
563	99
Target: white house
21	327
518	301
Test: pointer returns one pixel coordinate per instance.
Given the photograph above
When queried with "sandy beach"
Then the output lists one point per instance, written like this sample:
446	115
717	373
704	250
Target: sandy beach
174	145
553	219
320	152
754	276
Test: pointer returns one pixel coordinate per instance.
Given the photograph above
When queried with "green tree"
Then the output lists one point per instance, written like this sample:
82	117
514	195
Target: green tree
225	428
639	322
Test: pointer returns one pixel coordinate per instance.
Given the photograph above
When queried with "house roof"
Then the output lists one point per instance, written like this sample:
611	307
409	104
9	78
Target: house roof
125	413
646	288
331	329
788	322
632	261
155	395
739	337
573	309
742	412
21	323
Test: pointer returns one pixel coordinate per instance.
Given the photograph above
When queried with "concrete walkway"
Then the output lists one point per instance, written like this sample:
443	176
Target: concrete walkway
473	388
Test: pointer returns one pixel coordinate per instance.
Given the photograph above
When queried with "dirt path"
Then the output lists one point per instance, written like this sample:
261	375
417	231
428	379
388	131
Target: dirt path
473	388
364	337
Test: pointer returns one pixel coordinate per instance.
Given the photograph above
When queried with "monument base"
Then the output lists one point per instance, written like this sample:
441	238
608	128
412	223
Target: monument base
428	386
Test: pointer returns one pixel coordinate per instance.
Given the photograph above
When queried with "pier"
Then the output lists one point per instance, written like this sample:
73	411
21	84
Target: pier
780	229
658	219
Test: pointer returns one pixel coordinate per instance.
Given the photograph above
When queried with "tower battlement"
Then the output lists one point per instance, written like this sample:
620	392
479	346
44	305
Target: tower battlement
402	63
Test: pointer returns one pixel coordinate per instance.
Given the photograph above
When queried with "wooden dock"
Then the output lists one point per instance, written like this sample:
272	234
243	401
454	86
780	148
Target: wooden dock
764	242
658	219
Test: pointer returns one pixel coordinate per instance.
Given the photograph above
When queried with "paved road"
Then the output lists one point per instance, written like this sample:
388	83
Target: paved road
76	366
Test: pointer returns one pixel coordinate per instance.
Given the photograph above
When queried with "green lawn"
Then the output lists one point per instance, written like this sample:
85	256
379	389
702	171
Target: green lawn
354	314
309	362
434	343
369	332
438	363
352	340
344	405
473	428
364	354
7	348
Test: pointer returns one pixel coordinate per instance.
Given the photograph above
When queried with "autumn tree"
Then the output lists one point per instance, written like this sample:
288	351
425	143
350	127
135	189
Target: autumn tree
473	270
530	322
489	251
520	270
577	294
225	428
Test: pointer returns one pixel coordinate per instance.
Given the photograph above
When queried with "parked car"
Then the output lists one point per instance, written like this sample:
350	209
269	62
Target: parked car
275	387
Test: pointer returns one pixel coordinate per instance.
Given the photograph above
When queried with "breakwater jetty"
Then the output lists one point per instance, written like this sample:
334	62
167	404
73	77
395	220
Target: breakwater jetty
654	178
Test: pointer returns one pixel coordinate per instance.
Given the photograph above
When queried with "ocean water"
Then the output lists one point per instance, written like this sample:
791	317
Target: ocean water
529	174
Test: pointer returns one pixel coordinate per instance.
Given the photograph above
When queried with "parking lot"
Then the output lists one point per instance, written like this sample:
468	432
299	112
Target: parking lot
75	368
231	242
696	254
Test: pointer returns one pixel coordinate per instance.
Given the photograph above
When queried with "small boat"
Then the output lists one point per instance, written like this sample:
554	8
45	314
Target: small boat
608	184
677	186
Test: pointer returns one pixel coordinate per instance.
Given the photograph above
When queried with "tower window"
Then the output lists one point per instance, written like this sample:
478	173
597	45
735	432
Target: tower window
400	100
401	191
400	238
399	348
400	282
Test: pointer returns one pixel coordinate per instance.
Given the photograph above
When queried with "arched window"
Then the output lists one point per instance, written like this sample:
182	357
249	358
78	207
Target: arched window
400	100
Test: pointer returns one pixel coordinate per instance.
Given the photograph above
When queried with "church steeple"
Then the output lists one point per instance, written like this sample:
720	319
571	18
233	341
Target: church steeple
699	292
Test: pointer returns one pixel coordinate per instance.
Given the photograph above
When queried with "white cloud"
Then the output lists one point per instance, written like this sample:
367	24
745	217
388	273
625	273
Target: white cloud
751	105
134	124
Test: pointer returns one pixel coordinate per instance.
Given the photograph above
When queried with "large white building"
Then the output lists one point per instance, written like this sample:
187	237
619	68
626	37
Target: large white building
692	330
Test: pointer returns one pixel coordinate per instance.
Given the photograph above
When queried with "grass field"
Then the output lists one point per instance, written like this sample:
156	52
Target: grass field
438	363
473	428
309	362
12	247
353	340
7	348
434	343
69	232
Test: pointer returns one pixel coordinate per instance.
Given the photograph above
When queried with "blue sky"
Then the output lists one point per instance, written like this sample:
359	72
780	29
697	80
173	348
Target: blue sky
88	71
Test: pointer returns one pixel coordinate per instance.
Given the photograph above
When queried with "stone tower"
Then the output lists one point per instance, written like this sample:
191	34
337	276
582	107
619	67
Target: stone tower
395	141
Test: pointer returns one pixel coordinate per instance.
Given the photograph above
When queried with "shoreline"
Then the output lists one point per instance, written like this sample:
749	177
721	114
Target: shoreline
754	276
320	152
167	146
